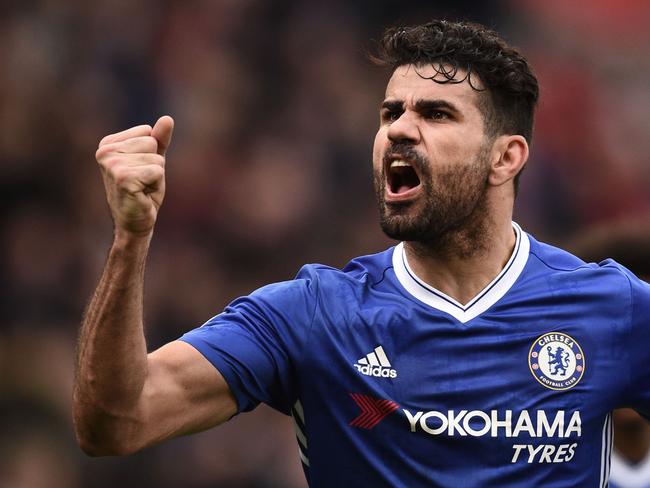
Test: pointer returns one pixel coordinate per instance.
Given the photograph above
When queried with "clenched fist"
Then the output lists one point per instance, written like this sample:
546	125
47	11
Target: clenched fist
133	168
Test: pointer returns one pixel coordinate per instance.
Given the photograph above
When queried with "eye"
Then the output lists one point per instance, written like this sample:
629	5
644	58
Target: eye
437	115
390	115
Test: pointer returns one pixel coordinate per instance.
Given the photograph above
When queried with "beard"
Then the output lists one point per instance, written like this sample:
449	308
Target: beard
451	213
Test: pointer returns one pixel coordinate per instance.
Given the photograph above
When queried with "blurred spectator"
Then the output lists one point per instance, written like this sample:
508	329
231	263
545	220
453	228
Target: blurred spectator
629	244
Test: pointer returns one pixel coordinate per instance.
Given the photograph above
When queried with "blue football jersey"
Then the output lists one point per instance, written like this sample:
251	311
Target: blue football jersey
392	383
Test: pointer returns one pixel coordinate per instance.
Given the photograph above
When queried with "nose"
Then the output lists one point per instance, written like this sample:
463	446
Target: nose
404	129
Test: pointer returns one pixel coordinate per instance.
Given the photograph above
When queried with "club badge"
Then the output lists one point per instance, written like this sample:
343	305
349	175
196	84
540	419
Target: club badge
556	361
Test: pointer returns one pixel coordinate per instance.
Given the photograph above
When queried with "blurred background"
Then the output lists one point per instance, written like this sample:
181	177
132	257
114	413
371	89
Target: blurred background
276	108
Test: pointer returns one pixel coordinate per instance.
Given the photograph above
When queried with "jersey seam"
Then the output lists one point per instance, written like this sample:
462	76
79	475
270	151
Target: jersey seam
310	328
383	276
543	261
630	315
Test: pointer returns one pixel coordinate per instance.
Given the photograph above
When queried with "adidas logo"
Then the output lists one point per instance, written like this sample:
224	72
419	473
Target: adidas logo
376	364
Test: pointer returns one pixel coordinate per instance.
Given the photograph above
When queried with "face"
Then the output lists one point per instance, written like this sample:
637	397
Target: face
430	156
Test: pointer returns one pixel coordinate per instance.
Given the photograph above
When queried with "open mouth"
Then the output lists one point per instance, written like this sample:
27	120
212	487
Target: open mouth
401	177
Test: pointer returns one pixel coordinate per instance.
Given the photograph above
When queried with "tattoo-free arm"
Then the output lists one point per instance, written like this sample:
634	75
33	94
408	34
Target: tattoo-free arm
124	398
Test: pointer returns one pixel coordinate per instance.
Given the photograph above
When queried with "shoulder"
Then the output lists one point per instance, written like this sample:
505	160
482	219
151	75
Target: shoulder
363	270
554	258
606	276
314	280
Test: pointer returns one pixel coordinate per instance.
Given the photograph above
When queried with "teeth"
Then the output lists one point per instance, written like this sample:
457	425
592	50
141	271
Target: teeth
399	163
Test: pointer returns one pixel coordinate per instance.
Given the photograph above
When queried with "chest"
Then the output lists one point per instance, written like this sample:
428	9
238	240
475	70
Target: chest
514	358
537	377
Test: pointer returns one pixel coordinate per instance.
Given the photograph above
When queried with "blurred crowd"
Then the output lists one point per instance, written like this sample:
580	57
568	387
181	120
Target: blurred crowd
276	107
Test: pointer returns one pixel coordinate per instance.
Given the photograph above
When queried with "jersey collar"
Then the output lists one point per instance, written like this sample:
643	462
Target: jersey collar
487	297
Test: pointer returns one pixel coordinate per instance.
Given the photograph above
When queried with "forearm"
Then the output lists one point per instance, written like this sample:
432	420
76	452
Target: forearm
112	356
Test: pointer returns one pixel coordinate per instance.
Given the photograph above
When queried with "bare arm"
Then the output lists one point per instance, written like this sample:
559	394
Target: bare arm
125	399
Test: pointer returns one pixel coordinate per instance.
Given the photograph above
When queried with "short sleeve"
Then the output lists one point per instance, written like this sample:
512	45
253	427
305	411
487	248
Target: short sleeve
639	346
256	341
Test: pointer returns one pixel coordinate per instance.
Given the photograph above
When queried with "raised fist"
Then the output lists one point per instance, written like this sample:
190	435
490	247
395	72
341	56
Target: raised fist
133	168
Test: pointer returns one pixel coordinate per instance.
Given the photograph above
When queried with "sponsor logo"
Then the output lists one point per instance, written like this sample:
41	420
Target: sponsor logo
559	431
376	364
477	423
373	410
526	424
556	361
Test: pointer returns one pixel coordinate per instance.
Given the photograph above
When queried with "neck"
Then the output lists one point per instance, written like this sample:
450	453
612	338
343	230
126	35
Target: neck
465	260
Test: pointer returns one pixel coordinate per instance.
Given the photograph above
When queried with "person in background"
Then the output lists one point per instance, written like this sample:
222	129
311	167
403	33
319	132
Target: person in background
628	244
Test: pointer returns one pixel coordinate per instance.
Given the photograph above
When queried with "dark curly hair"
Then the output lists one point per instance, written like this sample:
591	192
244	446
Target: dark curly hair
505	77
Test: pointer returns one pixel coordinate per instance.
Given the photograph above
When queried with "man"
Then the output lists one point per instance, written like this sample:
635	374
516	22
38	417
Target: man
627	243
468	355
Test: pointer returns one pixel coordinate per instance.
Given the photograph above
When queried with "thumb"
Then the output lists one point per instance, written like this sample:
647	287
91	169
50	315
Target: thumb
162	132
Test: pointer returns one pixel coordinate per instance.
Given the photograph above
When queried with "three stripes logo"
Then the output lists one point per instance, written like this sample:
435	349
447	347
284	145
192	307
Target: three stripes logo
376	364
373	410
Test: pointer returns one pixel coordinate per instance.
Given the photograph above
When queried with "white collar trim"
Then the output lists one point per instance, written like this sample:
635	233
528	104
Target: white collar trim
487	297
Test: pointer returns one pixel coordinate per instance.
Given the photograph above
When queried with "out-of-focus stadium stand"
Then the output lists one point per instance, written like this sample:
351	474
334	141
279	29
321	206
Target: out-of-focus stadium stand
275	110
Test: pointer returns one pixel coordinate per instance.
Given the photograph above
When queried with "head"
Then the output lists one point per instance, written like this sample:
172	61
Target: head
455	126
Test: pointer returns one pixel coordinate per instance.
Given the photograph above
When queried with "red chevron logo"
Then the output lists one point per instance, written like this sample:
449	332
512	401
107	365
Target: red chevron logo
373	410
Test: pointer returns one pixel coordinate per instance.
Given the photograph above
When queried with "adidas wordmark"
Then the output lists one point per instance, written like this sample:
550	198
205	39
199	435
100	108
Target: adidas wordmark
376	364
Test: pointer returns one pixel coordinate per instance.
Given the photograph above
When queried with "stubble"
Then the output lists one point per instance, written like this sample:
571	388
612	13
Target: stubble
451	217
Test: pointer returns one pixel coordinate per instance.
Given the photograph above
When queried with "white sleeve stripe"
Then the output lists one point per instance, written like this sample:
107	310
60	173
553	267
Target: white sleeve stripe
298	408
606	451
302	439
610	444
303	457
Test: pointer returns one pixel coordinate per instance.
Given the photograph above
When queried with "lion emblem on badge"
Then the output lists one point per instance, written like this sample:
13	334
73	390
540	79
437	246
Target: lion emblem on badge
557	361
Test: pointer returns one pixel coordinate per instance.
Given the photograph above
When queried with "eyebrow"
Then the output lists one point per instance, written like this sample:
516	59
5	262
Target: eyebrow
435	104
422	105
392	105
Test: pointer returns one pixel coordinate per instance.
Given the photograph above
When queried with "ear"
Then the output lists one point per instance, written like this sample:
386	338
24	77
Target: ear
510	153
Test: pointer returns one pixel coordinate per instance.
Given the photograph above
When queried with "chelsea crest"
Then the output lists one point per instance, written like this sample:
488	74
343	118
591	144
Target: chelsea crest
556	361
